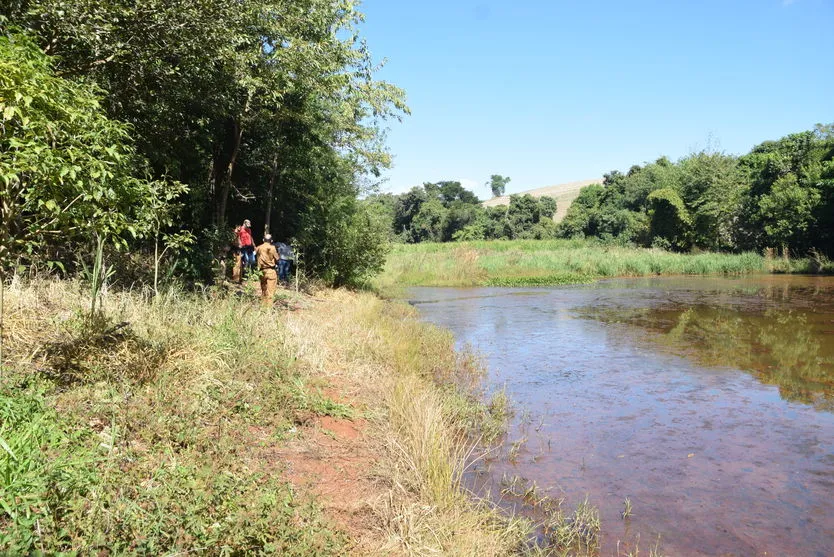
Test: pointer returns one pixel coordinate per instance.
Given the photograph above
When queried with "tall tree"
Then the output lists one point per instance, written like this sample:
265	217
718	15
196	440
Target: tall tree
498	184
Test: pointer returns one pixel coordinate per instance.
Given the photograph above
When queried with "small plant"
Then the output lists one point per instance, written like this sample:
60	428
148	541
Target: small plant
578	532
627	510
515	448
512	485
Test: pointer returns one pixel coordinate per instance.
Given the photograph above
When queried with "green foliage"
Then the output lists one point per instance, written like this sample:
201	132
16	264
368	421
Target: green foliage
267	107
787	211
548	262
351	242
445	211
498	184
46	469
669	218
430	222
779	194
66	170
555	279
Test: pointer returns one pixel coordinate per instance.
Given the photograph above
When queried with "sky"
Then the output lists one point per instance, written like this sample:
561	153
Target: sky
548	92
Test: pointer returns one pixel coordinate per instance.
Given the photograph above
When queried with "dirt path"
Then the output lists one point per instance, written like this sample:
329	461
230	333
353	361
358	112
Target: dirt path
333	459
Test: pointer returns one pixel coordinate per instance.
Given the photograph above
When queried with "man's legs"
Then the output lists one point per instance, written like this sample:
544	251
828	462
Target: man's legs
269	282
248	256
237	270
283	269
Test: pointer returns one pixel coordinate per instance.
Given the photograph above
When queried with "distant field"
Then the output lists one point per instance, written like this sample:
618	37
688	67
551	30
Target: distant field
563	193
549	262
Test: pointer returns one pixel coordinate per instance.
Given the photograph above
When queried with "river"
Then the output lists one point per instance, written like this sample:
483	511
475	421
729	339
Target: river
707	402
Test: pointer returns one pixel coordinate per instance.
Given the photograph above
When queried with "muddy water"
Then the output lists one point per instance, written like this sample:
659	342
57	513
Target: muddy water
709	403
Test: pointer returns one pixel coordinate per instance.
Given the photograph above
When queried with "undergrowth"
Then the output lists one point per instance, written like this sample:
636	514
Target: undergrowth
127	432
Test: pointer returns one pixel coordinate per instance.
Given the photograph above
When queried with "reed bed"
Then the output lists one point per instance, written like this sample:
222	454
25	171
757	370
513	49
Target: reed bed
554	262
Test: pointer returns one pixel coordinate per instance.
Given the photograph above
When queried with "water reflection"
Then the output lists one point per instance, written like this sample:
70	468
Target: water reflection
789	344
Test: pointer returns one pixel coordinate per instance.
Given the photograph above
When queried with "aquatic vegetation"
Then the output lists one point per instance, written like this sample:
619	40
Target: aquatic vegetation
558	262
627	508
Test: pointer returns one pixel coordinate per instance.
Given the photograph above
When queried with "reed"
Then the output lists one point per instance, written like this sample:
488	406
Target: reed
556	262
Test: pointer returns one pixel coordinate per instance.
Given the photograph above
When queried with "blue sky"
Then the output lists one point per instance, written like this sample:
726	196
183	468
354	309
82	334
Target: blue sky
552	92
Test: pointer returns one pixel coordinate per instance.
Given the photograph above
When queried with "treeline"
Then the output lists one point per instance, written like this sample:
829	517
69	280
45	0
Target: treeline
780	195
446	212
157	126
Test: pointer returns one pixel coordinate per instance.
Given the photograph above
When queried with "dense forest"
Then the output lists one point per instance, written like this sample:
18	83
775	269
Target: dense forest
778	196
152	128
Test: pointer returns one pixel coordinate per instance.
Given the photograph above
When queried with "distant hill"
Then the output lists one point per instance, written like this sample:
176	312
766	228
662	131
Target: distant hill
563	193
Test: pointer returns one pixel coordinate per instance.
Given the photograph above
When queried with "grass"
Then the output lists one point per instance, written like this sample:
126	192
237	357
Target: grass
556	262
131	432
126	433
433	423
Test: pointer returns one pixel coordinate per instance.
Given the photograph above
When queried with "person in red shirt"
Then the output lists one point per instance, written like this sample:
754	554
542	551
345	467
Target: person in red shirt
246	250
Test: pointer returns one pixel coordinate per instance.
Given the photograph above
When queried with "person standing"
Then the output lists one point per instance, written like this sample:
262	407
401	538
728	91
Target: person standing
246	250
286	256
267	258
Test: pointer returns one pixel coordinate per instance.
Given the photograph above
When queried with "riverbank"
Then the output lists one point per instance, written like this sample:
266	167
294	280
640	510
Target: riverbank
555	262
329	424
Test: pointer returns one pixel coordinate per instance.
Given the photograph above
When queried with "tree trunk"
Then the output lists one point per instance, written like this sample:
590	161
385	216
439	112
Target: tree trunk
225	175
268	215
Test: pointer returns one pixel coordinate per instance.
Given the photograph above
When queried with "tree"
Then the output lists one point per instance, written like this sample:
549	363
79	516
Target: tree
524	211
498	184
712	189
670	220
66	170
547	207
430	222
787	212
250	104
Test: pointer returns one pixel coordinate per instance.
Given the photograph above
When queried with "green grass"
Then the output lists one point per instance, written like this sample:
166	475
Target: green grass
152	428
556	262
132	432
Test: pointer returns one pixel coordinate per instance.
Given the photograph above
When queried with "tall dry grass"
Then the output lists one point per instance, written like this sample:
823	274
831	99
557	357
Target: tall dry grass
410	374
131	433
141	421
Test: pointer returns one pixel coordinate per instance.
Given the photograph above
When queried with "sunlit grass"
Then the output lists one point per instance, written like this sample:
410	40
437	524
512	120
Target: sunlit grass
552	262
131	433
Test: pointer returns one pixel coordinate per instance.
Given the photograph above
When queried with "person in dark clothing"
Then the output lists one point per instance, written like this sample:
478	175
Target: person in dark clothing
286	257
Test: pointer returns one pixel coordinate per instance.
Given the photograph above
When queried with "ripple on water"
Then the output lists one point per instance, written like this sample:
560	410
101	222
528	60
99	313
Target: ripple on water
708	402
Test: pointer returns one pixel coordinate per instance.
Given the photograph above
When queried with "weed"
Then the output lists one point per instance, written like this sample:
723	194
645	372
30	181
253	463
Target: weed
515	448
627	510
578	531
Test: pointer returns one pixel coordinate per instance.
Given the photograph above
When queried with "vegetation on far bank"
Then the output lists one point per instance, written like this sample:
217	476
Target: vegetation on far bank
554	262
780	195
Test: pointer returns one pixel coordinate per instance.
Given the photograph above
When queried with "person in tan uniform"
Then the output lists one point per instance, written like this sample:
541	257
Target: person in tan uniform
266	257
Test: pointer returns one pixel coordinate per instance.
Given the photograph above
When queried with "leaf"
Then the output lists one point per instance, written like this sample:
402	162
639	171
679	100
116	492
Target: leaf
8	448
